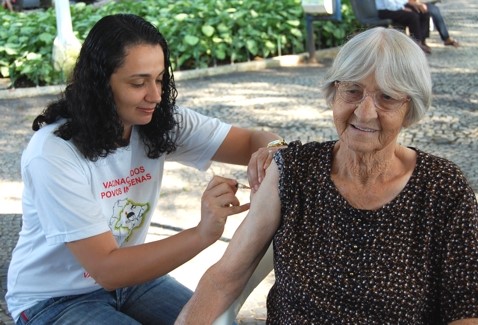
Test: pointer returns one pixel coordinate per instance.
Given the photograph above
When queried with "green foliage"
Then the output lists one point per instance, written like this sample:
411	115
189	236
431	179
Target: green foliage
26	46
336	33
201	33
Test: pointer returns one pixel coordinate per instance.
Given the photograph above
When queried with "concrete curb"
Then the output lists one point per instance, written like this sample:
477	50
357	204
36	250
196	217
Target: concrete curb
282	61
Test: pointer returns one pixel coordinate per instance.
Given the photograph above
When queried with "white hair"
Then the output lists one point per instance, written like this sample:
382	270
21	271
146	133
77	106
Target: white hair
397	62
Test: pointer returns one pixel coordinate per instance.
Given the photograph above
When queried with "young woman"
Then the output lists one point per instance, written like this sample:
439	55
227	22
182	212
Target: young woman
92	175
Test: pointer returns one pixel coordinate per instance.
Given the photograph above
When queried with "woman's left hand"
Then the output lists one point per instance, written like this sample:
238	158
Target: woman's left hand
256	169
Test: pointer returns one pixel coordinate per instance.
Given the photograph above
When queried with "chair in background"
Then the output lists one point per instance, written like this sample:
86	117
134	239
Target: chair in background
366	13
319	10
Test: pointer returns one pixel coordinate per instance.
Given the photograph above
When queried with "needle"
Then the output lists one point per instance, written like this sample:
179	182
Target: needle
242	186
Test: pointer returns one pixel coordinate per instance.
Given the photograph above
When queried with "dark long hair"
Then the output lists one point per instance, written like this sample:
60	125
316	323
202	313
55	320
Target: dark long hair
87	104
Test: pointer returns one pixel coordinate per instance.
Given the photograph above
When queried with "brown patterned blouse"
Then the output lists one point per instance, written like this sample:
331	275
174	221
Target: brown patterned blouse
413	261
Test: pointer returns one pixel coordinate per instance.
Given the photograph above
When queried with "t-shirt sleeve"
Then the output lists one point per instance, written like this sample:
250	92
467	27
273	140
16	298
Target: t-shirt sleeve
62	194
198	138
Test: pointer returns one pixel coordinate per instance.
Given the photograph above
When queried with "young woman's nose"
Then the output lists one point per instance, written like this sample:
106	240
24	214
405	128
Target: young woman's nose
154	93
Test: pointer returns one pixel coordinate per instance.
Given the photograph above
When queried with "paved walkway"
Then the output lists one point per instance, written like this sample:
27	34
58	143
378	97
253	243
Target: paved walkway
285	100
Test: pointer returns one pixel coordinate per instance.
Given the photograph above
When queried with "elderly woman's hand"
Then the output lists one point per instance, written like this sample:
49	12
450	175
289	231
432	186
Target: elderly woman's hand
260	160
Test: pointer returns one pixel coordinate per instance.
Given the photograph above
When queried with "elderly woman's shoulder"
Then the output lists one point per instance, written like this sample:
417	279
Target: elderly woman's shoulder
298	146
441	172
308	154
438	164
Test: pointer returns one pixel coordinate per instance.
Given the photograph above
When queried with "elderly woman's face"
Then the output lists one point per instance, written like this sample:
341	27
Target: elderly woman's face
372	123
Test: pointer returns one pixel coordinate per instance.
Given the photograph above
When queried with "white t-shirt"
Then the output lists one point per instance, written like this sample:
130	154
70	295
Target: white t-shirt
393	5
67	197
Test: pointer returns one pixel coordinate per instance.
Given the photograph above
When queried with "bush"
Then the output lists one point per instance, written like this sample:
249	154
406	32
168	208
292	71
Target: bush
201	33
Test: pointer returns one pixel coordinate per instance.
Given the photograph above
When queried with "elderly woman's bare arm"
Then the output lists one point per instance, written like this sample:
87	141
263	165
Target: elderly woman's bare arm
225	280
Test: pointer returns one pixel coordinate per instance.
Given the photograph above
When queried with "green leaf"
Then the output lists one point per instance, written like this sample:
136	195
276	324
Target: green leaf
339	33
207	30
45	37
251	46
5	72
222	28
33	56
296	32
181	17
28	31
191	40
270	45
26	69
10	49
220	54
294	23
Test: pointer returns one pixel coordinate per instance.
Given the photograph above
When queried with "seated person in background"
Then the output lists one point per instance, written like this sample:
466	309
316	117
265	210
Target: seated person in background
438	22
407	14
7	4
364	230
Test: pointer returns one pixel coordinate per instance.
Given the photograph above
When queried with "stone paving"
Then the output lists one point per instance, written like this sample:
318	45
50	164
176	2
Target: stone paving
285	100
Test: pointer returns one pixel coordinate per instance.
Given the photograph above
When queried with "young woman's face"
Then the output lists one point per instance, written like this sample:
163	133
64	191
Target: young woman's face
137	85
364	127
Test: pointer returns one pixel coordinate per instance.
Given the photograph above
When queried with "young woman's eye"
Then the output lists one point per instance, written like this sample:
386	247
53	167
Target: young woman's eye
159	81
138	85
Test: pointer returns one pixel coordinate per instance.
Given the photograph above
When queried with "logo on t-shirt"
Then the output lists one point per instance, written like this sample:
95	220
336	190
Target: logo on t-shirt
127	216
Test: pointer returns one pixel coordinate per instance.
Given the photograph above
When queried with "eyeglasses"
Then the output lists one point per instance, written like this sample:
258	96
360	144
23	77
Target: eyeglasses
353	93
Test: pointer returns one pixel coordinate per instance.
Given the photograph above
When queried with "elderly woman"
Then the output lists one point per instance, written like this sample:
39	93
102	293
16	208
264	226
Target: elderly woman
364	230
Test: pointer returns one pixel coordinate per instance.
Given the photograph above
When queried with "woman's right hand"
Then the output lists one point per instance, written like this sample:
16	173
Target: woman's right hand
217	203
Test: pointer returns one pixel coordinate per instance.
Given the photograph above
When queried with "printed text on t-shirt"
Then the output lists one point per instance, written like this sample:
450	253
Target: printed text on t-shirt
121	185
